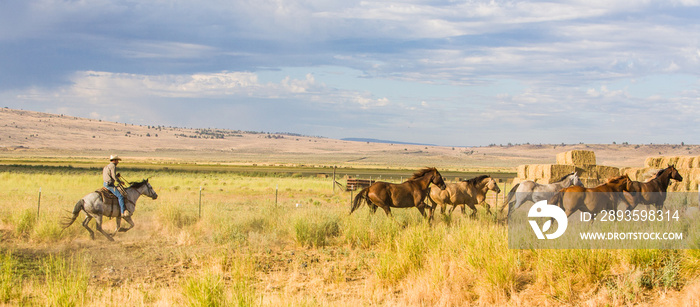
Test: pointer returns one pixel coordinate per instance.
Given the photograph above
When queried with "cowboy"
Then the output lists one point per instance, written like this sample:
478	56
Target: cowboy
110	177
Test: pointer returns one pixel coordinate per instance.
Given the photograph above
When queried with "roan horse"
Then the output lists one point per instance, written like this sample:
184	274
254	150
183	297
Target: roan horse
593	200
410	193
653	192
466	192
533	191
94	208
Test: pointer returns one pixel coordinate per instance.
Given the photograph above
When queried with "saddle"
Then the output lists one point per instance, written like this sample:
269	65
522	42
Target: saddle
108	199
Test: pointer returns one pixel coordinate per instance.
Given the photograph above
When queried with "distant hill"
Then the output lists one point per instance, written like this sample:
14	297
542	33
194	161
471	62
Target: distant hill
366	140
27	134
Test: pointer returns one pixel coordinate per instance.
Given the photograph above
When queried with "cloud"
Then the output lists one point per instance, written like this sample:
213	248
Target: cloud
522	66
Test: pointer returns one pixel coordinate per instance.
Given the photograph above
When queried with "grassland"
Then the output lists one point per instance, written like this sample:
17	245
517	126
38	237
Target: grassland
279	239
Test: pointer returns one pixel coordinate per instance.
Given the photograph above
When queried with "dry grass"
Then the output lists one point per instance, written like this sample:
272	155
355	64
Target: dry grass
246	250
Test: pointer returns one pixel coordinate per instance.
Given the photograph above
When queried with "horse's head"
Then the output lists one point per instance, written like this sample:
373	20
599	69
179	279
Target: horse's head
674	173
438	181
575	180
145	188
493	185
150	192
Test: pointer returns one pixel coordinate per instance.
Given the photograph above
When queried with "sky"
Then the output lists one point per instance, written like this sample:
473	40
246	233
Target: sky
452	73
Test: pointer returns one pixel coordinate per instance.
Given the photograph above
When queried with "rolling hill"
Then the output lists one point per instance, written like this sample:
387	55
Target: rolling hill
28	134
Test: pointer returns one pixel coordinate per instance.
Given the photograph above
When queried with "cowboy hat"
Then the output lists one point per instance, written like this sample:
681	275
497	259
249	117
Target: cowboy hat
114	157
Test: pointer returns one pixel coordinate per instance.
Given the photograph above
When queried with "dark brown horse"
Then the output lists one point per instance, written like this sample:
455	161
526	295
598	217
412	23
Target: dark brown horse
410	193
653	192
593	200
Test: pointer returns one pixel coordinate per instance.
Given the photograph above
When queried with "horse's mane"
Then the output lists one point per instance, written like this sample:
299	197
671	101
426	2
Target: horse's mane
422	172
661	171
617	179
138	184
474	181
562	178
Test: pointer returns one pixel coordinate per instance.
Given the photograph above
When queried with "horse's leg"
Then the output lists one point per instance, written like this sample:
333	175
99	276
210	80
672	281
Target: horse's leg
85	224
98	225
421	208
372	207
387	210
431	210
131	222
453	208
464	209
471	206
119	223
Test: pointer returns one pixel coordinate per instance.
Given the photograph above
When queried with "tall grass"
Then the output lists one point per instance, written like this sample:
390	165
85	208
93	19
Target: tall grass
66	281
226	283
10	289
316	230
250	250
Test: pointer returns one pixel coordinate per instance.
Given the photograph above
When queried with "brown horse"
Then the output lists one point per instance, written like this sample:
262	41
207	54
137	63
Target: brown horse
593	200
466	192
653	191
410	193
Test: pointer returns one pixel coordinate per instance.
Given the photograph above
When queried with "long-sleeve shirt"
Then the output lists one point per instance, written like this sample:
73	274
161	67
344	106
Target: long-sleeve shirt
109	174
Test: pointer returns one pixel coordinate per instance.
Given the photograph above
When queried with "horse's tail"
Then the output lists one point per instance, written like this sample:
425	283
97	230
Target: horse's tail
357	202
509	199
80	205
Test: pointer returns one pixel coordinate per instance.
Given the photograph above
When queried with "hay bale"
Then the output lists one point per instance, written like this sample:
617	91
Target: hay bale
689	174
576	158
522	171
669	161
554	172
535	171
685	162
586	172
606	172
653	162
635	173
589	183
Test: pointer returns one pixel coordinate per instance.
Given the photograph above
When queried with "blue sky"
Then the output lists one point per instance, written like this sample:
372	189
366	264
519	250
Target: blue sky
456	73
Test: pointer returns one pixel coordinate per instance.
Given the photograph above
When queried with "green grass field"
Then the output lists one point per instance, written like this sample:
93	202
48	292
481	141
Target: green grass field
288	240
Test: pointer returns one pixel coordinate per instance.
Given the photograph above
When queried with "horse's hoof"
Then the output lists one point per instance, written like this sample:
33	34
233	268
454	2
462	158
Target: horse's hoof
124	229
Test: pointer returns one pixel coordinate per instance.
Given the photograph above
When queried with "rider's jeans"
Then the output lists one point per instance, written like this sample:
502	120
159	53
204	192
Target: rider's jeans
116	193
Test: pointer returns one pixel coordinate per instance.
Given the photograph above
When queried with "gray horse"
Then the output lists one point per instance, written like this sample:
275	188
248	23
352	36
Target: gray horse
533	191
94	208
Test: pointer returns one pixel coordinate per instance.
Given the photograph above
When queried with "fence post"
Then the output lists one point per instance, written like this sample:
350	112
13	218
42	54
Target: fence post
38	205
333	182
200	202
276	189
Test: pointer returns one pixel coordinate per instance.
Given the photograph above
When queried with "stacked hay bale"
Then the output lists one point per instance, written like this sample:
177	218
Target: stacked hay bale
543	173
581	161
688	167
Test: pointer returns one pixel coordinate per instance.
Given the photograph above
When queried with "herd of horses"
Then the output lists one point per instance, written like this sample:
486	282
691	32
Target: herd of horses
567	193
